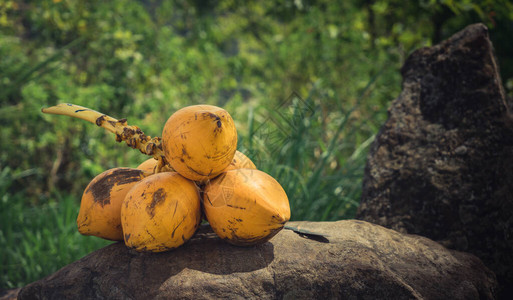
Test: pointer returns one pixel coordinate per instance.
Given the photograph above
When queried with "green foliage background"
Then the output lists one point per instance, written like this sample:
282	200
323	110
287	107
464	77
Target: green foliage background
307	82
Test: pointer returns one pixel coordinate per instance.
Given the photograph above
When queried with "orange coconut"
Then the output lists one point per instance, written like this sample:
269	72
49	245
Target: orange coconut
199	141
100	207
161	212
245	206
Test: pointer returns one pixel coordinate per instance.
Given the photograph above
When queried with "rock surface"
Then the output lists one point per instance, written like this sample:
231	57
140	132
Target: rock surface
10	294
356	260
442	164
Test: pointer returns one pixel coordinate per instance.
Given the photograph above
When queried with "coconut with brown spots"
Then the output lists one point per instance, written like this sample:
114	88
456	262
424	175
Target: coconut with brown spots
100	207
245	206
199	141
160	213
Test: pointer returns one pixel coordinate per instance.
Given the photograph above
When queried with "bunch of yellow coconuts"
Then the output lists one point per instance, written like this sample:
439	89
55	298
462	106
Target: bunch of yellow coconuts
196	171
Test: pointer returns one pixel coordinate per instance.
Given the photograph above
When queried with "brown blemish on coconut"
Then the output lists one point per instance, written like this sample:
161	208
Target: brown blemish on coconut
151	235
197	172
102	188
158	197
184	153
236	207
278	219
173	233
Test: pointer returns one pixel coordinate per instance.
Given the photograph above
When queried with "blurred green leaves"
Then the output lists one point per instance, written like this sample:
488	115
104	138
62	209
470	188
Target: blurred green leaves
37	240
145	59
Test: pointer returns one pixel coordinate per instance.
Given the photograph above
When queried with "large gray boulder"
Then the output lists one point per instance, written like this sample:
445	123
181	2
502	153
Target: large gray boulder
355	260
442	164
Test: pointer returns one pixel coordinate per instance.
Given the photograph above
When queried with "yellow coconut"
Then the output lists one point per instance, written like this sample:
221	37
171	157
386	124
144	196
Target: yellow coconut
199	141
100	207
160	213
245	206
